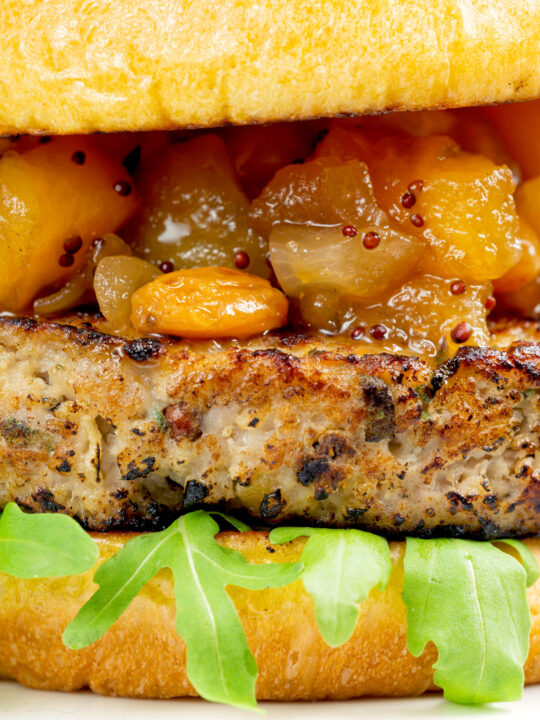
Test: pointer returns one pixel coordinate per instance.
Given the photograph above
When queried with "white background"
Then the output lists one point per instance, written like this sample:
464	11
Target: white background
18	702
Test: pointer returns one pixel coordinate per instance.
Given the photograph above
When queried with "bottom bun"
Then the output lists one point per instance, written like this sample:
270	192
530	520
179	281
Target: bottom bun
142	656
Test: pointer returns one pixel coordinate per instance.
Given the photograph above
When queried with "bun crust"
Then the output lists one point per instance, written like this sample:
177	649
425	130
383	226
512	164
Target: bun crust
142	656
71	66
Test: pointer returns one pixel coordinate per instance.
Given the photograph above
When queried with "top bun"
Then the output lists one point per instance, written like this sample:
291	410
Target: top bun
73	66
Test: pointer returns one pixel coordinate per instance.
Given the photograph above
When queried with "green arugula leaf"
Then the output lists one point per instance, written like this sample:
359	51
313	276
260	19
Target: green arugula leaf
219	662
468	598
341	567
527	559
237	524
37	546
120	578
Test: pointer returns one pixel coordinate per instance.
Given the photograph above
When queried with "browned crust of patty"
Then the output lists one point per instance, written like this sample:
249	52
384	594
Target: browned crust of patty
142	656
125	434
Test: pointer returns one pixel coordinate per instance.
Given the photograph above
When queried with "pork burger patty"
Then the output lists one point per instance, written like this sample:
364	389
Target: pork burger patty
125	434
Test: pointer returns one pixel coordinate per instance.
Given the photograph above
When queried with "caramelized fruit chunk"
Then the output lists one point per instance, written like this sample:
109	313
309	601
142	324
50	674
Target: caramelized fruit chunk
470	218
360	271
522	294
22	143
436	319
419	124
79	288
528	265
525	300
517	124
258	151
461	204
327	191
326	229
468	127
5	144
528	202
474	133
425	316
117	278
133	148
51	206
373	261
193	212
209	302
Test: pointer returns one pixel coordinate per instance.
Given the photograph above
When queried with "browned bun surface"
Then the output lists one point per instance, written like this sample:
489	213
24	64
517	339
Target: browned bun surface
71	66
142	656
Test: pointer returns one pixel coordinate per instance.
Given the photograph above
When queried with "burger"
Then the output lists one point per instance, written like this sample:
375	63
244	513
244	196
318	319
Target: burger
269	341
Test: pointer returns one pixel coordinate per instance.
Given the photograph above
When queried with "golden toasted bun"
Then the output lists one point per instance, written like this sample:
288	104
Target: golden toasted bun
142	656
70	66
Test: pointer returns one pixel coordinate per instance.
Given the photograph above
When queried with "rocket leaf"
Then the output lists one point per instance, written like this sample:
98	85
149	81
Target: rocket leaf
219	662
527	559
341	567
235	522
37	546
468	598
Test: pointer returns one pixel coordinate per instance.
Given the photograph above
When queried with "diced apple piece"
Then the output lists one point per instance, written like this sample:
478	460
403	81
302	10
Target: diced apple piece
304	256
117	278
326	191
194	213
518	123
462	204
425	317
53	200
259	151
528	202
528	265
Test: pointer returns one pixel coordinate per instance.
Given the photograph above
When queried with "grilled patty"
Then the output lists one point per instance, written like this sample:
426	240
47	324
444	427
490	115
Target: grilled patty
125	434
